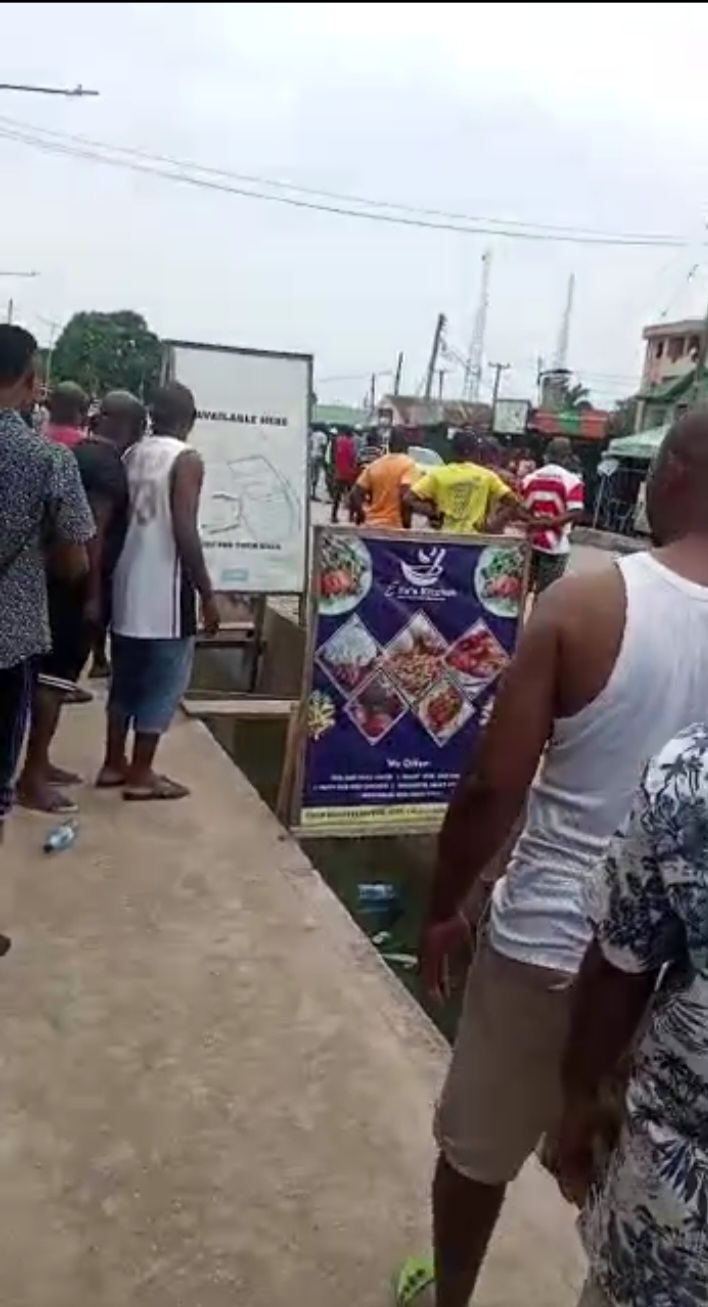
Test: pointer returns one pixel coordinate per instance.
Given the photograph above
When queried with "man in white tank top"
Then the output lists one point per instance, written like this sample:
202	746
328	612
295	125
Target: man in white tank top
609	667
160	573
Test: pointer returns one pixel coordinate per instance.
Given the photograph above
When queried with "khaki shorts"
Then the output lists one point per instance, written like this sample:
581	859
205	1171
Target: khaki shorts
503	1091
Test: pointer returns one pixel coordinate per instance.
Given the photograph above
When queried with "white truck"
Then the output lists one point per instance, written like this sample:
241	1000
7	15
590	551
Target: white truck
252	430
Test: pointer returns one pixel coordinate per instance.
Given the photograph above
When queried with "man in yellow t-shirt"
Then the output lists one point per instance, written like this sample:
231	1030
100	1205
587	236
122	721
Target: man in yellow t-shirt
377	497
461	495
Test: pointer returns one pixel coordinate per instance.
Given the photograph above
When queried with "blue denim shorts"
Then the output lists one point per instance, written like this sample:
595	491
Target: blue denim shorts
148	679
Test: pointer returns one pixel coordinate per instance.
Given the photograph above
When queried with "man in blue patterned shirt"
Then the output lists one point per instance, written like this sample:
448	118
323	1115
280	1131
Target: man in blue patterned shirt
45	520
644	980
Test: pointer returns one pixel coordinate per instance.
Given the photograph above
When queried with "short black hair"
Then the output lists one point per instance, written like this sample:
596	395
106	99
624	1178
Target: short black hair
398	443
464	445
68	404
17	350
173	408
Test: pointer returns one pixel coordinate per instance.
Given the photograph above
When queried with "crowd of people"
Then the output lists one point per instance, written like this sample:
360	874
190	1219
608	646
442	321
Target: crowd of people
98	539
590	955
585	1018
478	490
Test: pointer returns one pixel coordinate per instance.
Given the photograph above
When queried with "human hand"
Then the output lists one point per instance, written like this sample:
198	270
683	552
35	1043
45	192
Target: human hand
211	617
440	942
569	1154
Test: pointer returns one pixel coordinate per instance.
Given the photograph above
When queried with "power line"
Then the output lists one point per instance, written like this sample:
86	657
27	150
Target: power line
74	92
63	144
346	197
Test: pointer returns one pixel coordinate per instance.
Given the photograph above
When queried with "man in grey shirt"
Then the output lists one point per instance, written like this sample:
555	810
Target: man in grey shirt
45	521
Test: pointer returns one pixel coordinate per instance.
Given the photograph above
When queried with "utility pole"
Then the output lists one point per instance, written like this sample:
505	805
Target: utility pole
497	369
397	374
10	313
473	364
372	392
441	381
435	350
54	329
71	93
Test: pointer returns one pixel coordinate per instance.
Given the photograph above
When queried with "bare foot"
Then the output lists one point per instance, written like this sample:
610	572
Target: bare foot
42	797
59	776
111	778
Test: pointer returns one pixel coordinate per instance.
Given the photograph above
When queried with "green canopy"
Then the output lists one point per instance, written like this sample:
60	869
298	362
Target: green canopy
643	444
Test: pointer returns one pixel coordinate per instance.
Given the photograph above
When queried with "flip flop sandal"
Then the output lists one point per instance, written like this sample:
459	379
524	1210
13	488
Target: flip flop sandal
165	789
60	805
415	1276
71	693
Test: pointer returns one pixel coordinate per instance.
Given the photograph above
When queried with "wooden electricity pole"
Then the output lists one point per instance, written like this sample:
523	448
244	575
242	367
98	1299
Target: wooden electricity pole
433	360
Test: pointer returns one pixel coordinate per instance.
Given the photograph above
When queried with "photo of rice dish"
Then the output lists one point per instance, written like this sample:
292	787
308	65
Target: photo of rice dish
413	657
349	656
344	573
376	708
444	710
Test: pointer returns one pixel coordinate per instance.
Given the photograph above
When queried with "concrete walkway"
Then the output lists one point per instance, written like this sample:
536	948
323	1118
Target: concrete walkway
212	1092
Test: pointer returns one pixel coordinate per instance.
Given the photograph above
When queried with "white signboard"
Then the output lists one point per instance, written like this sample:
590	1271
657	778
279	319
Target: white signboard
252	430
511	416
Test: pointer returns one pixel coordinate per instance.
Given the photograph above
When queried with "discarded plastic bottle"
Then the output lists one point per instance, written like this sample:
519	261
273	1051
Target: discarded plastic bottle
381	894
61	837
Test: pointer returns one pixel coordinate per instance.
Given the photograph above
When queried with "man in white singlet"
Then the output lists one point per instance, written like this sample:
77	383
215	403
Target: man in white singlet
610	666
160	574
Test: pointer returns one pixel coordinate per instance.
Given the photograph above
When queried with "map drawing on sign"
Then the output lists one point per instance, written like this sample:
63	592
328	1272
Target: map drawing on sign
249	497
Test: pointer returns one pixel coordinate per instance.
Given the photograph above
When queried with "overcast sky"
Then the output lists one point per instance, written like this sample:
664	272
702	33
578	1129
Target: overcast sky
581	114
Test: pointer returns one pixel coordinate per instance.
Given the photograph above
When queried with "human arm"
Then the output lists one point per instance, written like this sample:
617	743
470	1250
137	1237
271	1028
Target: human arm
359	495
574	504
647	900
68	519
186	490
421	497
490	796
103	477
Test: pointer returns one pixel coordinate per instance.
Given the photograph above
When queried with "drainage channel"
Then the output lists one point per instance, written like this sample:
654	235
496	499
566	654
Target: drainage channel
390	915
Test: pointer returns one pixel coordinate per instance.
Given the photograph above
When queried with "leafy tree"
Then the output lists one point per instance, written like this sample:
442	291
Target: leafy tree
577	399
108	351
623	418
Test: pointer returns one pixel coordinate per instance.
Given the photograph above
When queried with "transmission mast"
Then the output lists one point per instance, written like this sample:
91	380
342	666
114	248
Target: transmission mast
560	361
473	366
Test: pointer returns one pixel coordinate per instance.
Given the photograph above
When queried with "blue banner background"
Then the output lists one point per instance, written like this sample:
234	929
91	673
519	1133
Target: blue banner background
360	754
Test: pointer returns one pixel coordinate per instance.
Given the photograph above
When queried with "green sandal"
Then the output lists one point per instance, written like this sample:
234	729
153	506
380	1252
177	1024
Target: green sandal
415	1276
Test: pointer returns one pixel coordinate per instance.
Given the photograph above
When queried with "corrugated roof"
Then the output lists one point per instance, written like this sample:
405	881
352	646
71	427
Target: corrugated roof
673	389
340	415
643	444
416	412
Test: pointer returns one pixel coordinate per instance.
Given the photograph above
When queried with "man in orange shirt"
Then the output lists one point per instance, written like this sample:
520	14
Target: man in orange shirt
376	499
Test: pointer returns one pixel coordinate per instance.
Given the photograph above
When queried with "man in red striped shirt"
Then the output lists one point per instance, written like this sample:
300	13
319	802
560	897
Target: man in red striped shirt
552	491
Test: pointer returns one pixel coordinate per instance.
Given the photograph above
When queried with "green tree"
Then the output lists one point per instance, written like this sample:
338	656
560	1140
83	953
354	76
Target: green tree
577	399
623	418
108	351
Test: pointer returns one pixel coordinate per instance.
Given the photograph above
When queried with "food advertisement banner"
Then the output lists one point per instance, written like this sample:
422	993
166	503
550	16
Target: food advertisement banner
409	634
